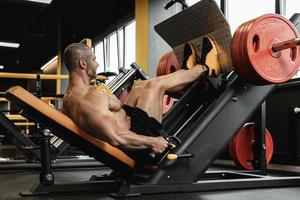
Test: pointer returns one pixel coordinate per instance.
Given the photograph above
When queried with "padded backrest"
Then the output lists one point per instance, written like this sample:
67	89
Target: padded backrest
62	126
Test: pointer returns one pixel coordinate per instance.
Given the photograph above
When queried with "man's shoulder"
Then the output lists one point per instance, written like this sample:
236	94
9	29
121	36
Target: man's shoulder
95	97
95	94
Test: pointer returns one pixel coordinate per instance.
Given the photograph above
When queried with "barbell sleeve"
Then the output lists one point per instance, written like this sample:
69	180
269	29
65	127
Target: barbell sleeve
296	110
286	44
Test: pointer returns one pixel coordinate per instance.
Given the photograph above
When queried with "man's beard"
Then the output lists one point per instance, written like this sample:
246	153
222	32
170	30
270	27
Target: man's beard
91	73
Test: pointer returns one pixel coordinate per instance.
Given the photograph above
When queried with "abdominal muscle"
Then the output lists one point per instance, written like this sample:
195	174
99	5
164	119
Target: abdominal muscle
122	118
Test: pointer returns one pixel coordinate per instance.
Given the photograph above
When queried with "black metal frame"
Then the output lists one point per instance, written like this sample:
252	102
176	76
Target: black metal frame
211	181
213	119
23	143
259	146
190	174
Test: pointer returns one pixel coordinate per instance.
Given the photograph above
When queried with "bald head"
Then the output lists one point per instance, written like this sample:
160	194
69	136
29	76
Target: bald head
73	53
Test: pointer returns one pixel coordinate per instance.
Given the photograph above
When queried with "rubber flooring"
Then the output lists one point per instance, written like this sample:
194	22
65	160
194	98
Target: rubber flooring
13	182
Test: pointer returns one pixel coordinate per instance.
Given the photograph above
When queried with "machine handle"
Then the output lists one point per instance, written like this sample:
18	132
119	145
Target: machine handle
173	142
172	156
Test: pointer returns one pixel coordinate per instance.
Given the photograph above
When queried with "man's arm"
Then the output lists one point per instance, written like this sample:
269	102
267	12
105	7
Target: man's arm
98	120
105	127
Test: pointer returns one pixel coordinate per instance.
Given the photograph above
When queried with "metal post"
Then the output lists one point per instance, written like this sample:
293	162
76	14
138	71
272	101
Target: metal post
39	86
259	146
224	8
46	176
280	7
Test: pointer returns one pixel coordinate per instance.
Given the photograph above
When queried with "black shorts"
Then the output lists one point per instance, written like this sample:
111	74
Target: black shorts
142	124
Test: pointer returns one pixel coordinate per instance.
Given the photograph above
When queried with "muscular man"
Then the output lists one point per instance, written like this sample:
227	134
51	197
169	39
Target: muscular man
134	127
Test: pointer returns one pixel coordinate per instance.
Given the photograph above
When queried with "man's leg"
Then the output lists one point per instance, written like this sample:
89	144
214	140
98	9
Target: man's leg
148	95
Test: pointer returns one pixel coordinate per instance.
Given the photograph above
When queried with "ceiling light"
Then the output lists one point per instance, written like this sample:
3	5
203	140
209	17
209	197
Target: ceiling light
41	1
1	67
9	44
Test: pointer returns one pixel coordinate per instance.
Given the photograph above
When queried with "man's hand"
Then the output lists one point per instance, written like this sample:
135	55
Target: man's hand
159	145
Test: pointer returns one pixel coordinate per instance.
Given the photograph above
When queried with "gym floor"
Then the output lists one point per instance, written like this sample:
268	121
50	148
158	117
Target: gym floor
13	182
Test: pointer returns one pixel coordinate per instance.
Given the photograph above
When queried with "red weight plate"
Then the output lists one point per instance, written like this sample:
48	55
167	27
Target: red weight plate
161	69
165	63
264	32
172	64
235	152
249	74
160	63
243	149
232	152
234	47
158	67
167	103
240	62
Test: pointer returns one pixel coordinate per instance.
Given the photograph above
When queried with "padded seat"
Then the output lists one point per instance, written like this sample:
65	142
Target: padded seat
62	126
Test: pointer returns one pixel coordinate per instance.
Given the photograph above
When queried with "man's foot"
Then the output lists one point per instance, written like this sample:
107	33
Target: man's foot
209	57
204	69
189	56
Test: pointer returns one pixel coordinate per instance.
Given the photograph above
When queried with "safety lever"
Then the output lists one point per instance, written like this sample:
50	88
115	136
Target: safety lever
172	156
172	2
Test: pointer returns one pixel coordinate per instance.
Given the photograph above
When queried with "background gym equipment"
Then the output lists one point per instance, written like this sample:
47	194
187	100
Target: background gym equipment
22	142
200	121
185	174
31	150
168	64
241	147
186	27
40	76
126	78
265	50
121	84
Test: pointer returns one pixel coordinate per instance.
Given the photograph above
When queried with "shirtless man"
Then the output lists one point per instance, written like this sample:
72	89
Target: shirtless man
134	127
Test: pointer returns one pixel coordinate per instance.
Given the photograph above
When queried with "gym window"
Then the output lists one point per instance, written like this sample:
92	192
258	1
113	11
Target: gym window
116	49
130	47
99	52
242	11
191	2
292	7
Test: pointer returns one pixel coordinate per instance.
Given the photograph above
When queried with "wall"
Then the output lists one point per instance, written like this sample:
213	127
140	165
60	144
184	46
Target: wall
157	46
283	125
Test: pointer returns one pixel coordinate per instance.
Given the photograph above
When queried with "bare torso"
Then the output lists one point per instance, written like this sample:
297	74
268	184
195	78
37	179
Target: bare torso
100	114
80	105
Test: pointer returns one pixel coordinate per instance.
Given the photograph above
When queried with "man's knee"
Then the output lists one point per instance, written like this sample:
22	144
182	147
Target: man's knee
139	83
154	84
138	87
